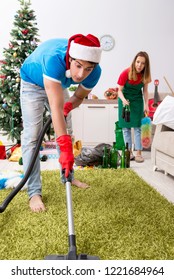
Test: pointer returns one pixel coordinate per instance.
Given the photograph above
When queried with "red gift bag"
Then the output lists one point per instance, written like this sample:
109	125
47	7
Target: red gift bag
2	152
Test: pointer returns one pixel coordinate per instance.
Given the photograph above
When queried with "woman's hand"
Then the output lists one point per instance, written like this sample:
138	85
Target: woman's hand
125	102
146	109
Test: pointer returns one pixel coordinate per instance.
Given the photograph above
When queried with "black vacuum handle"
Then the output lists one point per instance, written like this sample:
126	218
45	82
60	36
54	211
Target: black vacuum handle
66	179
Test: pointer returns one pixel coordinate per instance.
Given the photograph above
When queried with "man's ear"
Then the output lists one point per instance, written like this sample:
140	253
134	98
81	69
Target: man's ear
70	59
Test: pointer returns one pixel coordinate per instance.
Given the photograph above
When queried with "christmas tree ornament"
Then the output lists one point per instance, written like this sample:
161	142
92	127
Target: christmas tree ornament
25	31
4	106
33	43
2	62
11	46
2	77
15	54
17	80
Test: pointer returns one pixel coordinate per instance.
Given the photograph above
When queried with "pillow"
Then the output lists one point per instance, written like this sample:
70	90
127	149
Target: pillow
164	112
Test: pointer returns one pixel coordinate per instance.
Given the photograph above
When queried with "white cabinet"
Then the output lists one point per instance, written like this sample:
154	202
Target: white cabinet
77	122
94	123
113	117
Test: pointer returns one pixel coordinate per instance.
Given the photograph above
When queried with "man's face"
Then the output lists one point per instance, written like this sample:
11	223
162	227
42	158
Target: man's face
80	69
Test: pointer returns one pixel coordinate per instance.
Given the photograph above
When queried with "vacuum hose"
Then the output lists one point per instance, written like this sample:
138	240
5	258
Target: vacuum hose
30	167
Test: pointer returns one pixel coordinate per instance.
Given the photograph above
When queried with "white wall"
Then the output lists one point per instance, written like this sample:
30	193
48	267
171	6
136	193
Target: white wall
135	24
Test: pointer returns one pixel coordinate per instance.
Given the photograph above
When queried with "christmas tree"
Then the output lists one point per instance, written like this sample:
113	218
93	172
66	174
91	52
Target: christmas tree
23	42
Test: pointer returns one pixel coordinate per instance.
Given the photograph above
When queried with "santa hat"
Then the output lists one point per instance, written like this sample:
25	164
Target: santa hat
83	47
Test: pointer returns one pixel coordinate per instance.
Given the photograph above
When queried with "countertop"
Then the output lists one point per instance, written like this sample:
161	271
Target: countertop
115	101
100	101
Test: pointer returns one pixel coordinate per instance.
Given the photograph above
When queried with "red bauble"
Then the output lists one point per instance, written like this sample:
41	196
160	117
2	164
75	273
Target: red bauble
25	31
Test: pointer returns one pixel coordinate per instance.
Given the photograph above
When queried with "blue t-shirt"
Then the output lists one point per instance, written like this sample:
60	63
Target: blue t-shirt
48	59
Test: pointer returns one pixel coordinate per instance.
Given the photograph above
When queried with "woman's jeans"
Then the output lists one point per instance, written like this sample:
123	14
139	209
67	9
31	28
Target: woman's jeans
137	137
33	102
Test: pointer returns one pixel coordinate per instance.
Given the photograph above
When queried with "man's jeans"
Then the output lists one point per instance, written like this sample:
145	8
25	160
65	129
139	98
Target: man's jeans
33	102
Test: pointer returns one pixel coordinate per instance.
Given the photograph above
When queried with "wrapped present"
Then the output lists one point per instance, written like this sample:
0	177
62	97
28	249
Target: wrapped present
16	154
2	152
49	145
77	147
50	153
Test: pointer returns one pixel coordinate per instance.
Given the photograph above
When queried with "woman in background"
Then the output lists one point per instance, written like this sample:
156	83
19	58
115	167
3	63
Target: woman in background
133	91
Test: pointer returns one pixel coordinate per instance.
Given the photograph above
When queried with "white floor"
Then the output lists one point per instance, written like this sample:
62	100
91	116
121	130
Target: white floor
164	184
161	182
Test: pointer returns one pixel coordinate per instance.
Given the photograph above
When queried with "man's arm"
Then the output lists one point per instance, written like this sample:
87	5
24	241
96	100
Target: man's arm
78	96
55	95
75	100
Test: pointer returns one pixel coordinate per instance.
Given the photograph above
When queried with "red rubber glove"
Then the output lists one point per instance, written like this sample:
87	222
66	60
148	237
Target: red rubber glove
66	158
67	108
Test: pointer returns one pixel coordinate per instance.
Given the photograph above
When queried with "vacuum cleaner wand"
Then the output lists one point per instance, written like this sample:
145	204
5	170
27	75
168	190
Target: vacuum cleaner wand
72	253
30	167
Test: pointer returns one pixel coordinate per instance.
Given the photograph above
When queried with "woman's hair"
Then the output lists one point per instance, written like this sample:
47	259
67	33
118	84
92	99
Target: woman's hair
146	75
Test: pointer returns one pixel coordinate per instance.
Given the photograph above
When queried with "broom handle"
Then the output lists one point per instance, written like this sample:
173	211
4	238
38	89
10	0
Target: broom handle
168	85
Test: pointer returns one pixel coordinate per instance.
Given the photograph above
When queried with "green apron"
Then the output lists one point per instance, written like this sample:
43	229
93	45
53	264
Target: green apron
134	94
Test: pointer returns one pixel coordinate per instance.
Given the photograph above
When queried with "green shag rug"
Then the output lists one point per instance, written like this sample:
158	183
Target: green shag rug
119	217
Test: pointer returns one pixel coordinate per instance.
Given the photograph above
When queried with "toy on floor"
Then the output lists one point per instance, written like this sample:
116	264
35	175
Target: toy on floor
10	179
2	151
146	131
43	158
16	154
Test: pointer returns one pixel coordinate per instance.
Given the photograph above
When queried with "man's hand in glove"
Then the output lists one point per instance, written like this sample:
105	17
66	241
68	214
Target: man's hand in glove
66	153
67	108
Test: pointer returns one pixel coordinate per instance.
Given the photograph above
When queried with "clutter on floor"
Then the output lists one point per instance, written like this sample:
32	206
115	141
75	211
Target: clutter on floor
14	153
48	150
10	179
